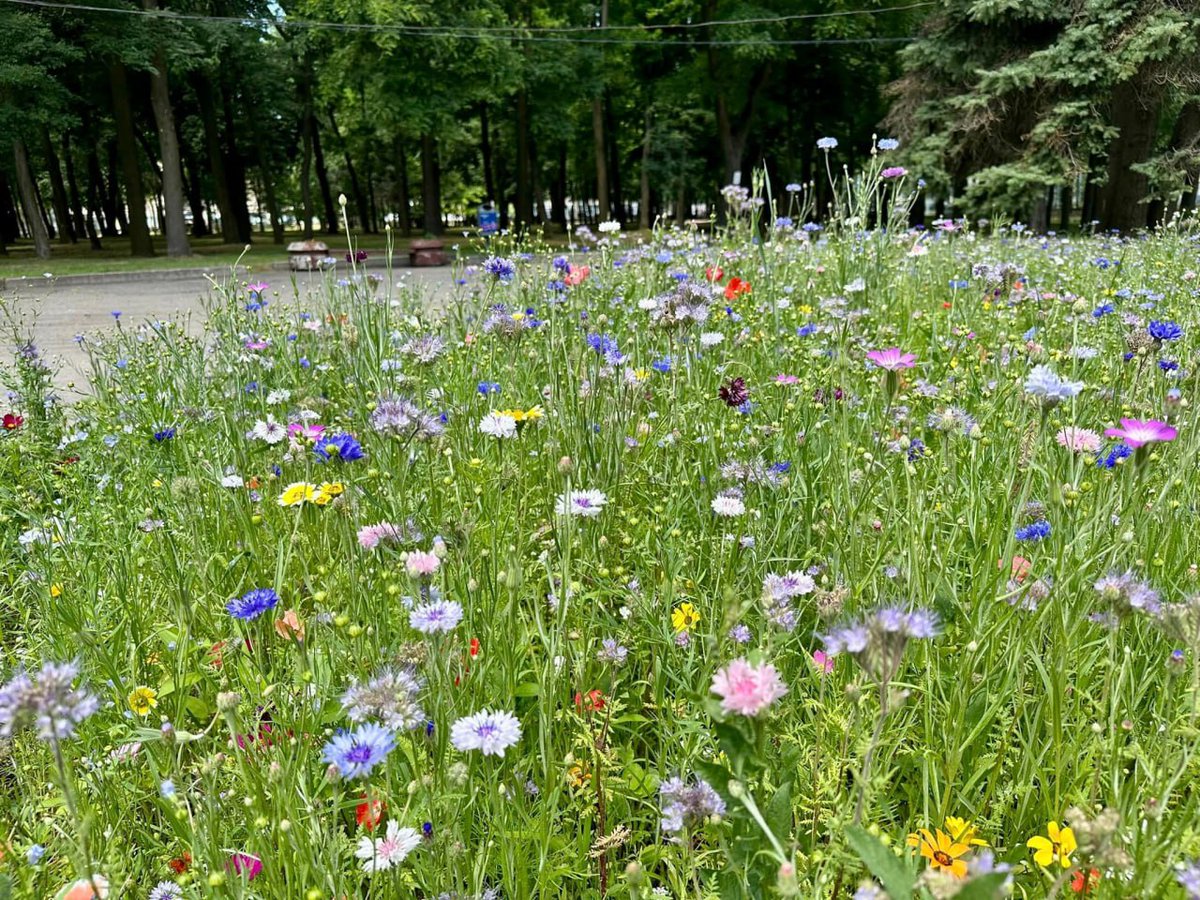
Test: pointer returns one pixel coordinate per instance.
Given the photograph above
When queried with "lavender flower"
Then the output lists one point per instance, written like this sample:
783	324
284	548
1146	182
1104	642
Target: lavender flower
878	640
47	701
392	696
687	805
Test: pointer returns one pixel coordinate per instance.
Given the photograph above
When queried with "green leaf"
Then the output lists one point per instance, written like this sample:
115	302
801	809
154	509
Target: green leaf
527	689
985	887
778	813
897	880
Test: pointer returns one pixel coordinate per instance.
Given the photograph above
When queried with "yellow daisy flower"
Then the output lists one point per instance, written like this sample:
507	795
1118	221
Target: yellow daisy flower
142	700
685	617
1058	844
297	493
964	832
327	491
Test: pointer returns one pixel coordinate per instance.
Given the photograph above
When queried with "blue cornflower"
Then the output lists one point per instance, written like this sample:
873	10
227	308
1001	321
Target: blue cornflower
806	330
1034	531
662	365
356	753
664	256
504	270
746	408
1101	263
782	222
1115	455
34	854
827	143
488	387
562	264
1168	365
916	450
1165	331
792	187
341	445
606	346
888	144
1103	310
164	434
252	604
781	468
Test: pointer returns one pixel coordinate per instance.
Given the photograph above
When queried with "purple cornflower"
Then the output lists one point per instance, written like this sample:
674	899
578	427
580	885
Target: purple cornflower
500	268
606	346
877	641
392	696
48	701
612	652
688	805
1126	593
252	604
1164	331
1034	531
356	753
436	616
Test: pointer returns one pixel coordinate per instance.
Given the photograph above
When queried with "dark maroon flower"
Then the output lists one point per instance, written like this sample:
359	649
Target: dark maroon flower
734	392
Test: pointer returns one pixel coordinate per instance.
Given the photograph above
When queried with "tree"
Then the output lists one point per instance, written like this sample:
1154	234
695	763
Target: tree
168	142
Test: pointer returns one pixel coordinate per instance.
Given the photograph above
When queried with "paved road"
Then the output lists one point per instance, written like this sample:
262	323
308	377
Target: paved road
58	312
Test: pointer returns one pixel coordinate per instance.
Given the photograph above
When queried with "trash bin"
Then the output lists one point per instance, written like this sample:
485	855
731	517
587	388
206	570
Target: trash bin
306	256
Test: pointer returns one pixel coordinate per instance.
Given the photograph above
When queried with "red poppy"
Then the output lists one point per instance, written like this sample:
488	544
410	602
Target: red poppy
369	813
592	701
714	273
1085	883
736	288
947	305
181	864
474	651
12	421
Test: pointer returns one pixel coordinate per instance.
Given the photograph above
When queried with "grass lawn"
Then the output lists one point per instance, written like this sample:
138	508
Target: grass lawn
207	253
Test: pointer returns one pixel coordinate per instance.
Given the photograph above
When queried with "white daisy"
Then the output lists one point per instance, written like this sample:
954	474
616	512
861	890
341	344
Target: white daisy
728	505
498	425
270	431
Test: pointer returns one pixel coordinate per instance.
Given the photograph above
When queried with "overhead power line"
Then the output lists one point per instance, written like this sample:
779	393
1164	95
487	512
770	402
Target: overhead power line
553	35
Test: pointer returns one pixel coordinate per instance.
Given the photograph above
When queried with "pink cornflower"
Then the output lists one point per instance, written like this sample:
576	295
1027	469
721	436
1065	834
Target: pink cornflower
747	689
894	172
311	432
421	564
257	345
245	864
893	359
782	378
1137	433
258	287
371	536
1078	440
823	662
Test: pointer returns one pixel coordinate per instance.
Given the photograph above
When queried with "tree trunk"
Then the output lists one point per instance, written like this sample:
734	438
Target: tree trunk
174	225
558	198
485	149
403	198
360	199
269	192
58	190
644	195
140	243
216	159
195	197
29	200
431	199
1064	208
306	123
235	171
10	229
1185	136
82	224
524	196
330	225
1121	203
616	204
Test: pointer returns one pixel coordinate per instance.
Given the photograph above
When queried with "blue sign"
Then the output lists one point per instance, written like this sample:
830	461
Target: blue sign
489	221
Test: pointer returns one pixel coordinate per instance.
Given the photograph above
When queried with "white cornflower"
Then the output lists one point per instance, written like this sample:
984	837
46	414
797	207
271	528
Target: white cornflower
728	505
588	504
487	731
381	854
498	425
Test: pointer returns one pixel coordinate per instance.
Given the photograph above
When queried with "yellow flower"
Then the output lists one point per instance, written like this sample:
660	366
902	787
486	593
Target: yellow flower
685	617
941	850
964	832
534	412
327	491
1059	845
56	590
142	700
297	493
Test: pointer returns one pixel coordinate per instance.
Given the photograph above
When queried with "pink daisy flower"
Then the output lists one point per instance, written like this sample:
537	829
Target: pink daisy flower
1078	440
747	689
311	432
1137	433
783	378
893	359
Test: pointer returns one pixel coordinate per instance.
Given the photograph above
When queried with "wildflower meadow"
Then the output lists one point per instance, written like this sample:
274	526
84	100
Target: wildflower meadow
813	557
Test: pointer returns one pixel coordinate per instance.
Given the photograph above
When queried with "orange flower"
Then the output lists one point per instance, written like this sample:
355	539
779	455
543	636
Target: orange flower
714	273
941	850
736	288
289	627
369	813
1085	882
